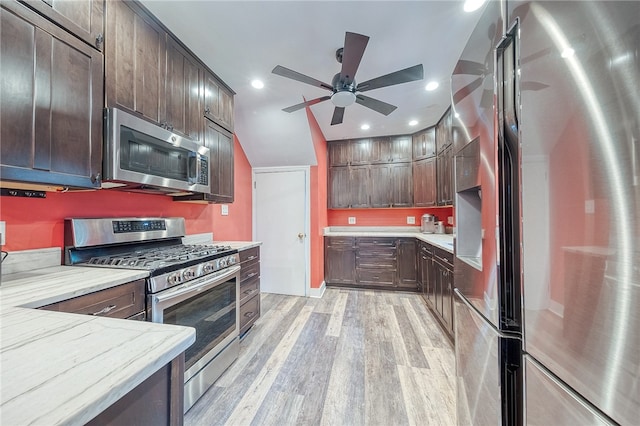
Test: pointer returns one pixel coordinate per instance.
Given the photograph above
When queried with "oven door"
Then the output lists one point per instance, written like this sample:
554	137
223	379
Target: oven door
208	304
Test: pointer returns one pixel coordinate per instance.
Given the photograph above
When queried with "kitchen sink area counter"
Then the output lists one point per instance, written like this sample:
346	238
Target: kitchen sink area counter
443	241
62	368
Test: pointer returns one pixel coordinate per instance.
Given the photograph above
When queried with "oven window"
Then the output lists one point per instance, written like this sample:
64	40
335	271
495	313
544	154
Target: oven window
211	313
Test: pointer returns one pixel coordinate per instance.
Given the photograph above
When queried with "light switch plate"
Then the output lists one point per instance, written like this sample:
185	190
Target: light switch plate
3	233
411	220
224	210
589	206
352	220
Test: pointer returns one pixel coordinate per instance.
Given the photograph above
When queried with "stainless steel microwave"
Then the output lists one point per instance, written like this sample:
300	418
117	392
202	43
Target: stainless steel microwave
140	155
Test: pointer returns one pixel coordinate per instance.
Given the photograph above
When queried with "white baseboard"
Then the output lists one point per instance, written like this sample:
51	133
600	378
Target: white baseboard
318	292
556	308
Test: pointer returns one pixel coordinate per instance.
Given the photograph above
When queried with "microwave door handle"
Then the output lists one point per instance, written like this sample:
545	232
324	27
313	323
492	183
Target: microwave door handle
193	172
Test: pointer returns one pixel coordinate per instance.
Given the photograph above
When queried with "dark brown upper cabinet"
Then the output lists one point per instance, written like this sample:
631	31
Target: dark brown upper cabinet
424	183
135	48
218	102
83	18
424	144
443	131
339	153
50	102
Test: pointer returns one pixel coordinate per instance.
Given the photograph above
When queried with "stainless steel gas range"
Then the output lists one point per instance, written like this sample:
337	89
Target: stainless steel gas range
189	285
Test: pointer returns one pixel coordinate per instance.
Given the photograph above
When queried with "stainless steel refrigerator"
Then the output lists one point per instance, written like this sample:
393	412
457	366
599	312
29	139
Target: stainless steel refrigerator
546	105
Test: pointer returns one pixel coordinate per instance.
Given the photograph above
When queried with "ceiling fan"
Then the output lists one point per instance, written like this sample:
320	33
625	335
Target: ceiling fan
343	86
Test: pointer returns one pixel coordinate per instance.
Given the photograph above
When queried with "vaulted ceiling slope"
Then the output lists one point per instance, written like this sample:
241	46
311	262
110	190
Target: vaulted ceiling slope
244	40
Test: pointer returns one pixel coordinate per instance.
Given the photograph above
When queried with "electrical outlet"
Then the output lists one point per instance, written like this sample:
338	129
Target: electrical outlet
352	220
411	220
589	206
3	233
224	210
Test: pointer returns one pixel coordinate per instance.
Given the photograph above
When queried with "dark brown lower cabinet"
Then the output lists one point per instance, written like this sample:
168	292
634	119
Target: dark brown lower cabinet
159	400
249	288
436	275
371	262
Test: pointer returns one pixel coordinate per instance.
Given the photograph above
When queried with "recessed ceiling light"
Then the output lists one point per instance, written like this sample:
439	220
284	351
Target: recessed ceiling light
413	122
432	85
365	127
258	84
567	52
471	5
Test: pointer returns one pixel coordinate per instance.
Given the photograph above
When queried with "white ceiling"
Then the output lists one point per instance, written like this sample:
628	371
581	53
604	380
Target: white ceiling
244	40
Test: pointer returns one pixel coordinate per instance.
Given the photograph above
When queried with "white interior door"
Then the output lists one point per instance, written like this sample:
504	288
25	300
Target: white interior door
280	222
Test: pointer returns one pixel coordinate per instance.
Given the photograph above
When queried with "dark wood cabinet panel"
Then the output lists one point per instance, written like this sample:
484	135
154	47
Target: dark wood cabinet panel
135	46
401	185
445	177
339	153
50	101
424	183
424	143
83	18
407	266
359	186
362	151
221	168
380	183
249	288
340	260
122	301
249	313
339	196
400	148
218	102
443	131
182	93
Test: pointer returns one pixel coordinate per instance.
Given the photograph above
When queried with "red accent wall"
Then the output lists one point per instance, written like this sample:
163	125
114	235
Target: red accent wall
385	217
318	196
39	223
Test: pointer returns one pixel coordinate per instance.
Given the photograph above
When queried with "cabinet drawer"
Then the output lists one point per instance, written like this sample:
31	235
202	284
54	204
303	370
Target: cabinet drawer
249	254
369	242
376	262
249	289
249	312
249	270
340	242
122	301
370	276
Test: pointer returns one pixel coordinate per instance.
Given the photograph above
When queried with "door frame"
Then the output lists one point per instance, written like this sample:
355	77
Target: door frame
307	213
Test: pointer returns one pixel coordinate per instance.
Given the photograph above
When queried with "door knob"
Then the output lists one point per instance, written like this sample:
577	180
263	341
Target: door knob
301	235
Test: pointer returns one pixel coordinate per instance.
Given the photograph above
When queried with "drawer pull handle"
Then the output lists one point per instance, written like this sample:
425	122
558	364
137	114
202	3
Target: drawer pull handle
249	314
248	292
105	310
251	257
253	274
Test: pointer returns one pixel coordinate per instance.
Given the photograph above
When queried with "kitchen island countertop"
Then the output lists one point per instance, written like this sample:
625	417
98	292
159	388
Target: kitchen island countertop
61	368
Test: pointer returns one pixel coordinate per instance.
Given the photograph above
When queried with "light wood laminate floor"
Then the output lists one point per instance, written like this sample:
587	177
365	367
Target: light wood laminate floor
353	357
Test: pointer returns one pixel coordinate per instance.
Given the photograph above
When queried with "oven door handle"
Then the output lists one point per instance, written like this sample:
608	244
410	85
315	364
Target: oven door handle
185	291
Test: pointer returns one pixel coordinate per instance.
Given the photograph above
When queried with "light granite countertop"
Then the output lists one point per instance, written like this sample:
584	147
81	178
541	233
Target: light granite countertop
443	241
60	368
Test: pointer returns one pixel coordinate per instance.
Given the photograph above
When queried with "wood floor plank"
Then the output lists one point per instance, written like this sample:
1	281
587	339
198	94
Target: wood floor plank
353	357
246	409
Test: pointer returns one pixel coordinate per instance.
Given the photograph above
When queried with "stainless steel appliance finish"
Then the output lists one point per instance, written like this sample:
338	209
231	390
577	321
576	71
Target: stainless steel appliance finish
139	155
561	176
190	285
428	224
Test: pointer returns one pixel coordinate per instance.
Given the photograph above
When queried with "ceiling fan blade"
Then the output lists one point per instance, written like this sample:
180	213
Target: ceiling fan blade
466	90
294	75
469	67
296	107
338	114
354	45
376	105
403	76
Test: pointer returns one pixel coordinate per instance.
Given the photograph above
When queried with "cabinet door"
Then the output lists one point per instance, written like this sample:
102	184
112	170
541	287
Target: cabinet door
443	131
218	102
380	181
340	260
50	102
339	196
424	182
135	71
447	299
362	151
83	18
359	186
424	144
400	149
401	185
184	77
407	267
220	144
445	177
339	153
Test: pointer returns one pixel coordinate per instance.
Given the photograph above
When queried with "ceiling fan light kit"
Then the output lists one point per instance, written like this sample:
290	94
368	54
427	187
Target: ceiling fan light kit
344	89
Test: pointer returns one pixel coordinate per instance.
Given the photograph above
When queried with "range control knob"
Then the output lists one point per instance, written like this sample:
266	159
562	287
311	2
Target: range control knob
223	262
174	278
188	274
232	260
208	268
